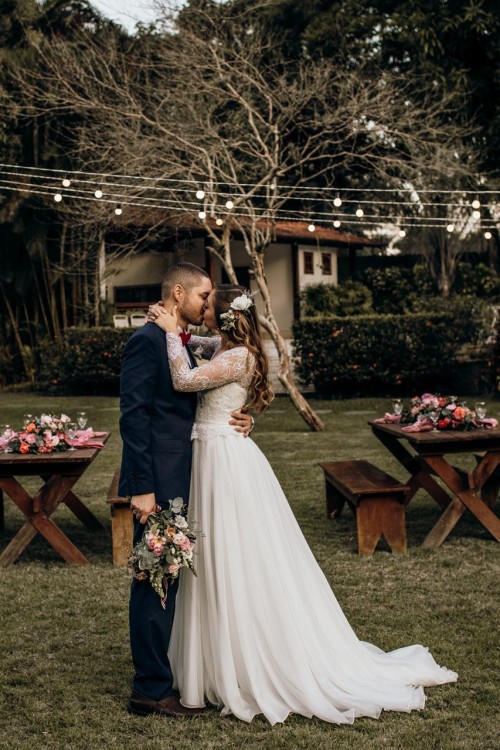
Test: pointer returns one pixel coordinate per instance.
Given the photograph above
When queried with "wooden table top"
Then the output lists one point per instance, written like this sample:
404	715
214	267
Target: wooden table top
451	440
12	464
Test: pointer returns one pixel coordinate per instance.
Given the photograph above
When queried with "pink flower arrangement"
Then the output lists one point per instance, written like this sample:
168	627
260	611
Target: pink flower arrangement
452	415
44	434
166	547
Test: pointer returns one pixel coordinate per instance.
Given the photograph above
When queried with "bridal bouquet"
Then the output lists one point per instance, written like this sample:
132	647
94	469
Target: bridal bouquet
45	434
166	547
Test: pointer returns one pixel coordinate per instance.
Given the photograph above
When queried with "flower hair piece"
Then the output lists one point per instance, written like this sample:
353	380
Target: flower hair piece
238	305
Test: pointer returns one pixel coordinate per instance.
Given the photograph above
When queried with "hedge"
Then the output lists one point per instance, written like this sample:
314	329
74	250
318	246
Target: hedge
385	354
84	361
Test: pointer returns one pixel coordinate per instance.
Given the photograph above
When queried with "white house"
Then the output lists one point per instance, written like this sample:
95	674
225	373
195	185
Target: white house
297	258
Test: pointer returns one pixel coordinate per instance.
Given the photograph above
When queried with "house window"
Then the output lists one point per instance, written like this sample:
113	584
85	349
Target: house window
308	262
137	296
326	264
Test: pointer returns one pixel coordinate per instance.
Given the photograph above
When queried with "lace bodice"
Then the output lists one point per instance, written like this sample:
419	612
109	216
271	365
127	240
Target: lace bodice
222	384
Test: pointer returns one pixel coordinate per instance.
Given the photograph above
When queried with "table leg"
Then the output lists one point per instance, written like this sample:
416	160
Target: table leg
445	524
419	477
464	494
82	512
48	498
2	516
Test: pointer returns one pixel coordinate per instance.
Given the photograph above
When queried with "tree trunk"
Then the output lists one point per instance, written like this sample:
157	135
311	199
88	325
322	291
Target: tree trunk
284	375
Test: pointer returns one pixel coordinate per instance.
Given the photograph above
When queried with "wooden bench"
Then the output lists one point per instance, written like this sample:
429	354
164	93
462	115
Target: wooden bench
376	498
122	523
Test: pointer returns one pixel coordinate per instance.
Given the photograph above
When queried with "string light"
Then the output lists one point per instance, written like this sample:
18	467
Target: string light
200	194
58	197
202	215
359	212
402	233
118	210
450	228
336	223
140	197
66	182
98	193
311	228
229	204
476	214
487	235
337	202
219	222
475	204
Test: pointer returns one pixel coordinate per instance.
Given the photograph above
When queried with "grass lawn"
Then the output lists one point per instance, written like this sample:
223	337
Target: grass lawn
65	668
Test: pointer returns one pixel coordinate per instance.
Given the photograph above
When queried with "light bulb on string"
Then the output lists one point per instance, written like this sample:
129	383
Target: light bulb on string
66	182
202	215
200	194
219	222
359	212
118	210
476	204
311	228
337	201
229	204
98	193
487	235
58	197
402	233
476	214
450	228
272	186
336	223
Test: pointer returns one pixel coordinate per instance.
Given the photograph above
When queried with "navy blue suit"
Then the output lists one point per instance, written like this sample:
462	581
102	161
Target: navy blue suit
155	426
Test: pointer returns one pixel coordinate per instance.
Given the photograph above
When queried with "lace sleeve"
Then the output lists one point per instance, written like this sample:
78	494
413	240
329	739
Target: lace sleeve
208	344
230	366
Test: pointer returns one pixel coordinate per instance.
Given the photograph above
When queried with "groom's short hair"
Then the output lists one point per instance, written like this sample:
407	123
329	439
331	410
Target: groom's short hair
186	274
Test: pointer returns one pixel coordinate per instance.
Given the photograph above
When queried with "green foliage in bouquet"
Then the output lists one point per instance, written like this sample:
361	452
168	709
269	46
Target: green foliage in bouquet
166	547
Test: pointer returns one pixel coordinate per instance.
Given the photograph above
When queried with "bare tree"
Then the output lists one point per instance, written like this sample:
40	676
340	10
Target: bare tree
207	104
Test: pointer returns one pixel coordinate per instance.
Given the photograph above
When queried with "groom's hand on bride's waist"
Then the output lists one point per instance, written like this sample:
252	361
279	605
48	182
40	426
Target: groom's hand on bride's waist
142	506
242	421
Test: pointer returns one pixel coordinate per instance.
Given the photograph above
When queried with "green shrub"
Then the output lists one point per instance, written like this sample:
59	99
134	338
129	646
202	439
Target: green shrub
348	298
382	354
83	361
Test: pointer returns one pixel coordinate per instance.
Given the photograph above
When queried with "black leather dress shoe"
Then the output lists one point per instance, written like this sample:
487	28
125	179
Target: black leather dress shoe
169	706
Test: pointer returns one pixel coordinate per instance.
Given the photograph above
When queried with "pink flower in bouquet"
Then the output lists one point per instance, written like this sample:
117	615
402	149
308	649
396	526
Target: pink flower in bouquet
54	440
173	568
29	438
179	538
186	545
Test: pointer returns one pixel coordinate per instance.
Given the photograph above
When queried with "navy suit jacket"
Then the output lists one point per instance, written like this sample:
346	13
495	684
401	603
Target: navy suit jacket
155	422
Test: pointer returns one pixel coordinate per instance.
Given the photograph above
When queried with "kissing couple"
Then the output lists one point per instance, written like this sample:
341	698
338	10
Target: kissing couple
259	630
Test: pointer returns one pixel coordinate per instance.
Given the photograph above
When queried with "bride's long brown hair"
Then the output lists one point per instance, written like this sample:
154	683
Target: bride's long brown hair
246	332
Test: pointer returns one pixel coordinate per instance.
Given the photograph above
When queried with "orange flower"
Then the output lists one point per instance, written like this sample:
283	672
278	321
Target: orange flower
459	413
24	447
171	531
30	427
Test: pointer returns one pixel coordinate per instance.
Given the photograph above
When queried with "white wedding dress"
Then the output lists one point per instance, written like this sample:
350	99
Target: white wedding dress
259	630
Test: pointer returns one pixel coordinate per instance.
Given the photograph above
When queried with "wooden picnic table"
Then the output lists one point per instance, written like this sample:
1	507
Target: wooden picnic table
475	490
59	471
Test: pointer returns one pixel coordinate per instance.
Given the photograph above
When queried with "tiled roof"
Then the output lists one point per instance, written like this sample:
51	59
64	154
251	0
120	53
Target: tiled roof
288	231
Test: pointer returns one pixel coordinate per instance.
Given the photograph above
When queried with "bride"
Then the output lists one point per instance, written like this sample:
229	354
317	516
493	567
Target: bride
259	631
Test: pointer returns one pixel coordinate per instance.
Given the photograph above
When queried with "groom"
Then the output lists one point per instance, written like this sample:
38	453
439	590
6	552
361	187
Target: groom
155	426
